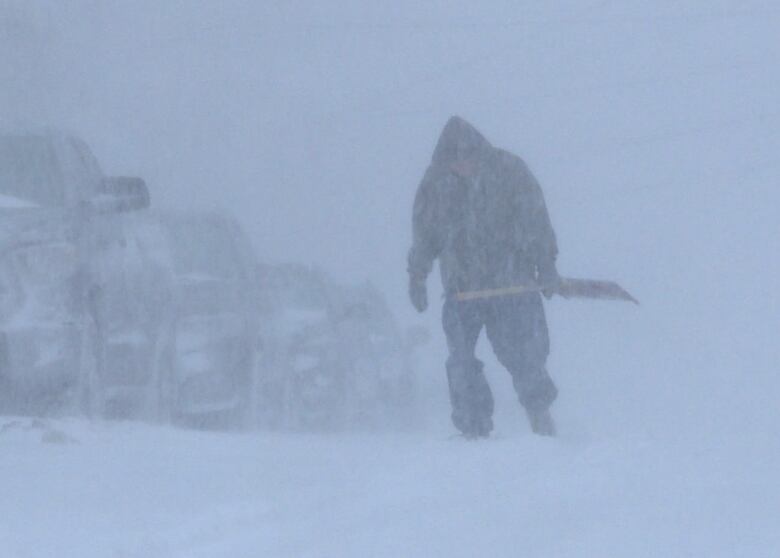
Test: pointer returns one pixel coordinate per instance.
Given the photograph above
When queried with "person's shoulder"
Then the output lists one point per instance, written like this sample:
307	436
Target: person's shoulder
511	162
436	172
433	179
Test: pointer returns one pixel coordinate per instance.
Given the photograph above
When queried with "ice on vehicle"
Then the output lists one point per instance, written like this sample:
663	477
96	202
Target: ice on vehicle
50	238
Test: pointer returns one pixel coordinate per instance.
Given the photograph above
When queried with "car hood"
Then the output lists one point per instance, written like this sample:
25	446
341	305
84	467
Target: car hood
12	202
32	225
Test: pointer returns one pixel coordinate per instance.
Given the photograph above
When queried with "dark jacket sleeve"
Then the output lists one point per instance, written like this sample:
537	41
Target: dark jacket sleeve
427	227
541	243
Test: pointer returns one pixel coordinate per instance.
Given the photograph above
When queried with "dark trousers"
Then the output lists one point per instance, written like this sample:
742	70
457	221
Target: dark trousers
517	331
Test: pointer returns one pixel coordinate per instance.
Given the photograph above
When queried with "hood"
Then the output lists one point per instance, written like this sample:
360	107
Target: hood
459	140
32	226
12	202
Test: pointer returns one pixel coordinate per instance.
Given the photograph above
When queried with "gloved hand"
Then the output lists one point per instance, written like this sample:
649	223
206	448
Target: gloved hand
547	277
418	293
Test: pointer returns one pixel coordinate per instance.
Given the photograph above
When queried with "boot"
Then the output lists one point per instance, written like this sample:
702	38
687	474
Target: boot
476	428
541	422
483	426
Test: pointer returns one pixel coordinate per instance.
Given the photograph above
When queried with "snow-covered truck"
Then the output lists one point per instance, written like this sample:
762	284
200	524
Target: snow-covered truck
58	212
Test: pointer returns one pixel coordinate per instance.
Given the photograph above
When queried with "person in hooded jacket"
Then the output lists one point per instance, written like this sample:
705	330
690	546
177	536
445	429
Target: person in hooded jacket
481	213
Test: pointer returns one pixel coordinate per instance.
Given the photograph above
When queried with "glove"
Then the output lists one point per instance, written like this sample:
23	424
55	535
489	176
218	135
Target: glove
418	293
548	277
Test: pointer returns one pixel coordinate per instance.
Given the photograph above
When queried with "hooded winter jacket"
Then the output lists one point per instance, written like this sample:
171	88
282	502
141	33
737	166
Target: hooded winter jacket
488	226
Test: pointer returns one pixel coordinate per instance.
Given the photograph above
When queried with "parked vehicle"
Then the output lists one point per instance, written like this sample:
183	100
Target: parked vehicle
382	383
179	335
213	331
334	356
131	302
57	214
298	380
118	312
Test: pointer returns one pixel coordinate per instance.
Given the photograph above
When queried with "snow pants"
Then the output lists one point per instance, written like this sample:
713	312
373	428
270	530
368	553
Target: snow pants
517	331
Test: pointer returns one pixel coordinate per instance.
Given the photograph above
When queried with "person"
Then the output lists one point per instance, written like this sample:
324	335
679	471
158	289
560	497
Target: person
481	213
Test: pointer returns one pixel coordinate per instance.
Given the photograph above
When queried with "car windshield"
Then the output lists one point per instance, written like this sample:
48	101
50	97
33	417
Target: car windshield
29	171
205	250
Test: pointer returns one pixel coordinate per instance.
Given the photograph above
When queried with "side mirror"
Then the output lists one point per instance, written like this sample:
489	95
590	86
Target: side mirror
121	194
417	336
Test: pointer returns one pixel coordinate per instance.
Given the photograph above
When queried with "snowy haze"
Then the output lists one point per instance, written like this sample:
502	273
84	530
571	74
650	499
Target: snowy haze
653	130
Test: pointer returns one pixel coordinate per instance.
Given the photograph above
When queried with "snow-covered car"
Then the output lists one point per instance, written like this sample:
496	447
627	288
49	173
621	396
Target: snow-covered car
178	337
299	382
57	213
132	305
334	355
176	321
211	336
382	383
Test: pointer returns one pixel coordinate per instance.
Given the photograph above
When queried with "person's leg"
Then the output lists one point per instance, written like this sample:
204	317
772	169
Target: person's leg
470	396
517	330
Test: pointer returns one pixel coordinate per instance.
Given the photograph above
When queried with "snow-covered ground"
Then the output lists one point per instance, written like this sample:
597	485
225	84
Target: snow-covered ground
73	488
